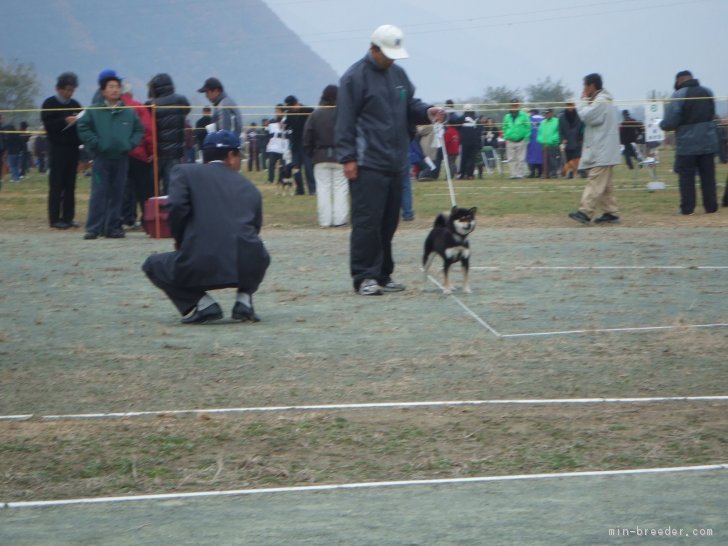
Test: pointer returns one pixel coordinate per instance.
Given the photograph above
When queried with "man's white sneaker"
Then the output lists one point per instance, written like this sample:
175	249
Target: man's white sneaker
369	287
392	286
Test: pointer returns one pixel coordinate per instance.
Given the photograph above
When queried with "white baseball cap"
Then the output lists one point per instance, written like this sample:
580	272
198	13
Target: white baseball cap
389	39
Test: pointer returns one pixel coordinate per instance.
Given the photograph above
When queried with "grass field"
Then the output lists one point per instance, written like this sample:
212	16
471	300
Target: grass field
83	331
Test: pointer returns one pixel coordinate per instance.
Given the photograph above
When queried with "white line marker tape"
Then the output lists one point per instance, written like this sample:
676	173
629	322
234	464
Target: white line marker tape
16	417
572	332
371	405
370	485
594	267
614	330
466	308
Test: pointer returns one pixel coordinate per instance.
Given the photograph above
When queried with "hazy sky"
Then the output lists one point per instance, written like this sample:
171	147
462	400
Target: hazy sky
459	47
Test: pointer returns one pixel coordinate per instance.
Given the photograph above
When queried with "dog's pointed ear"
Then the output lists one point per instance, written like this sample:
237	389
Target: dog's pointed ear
453	209
473	211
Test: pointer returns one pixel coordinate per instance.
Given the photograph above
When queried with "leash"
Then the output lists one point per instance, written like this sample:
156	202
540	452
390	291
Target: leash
439	129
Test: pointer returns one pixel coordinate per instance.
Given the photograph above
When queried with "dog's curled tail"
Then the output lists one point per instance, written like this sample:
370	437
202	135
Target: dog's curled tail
440	221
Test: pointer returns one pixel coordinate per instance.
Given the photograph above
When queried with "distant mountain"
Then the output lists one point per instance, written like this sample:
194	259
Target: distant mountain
242	42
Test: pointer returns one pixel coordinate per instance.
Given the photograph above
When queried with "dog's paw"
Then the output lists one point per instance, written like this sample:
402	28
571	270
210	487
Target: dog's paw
467	290
447	291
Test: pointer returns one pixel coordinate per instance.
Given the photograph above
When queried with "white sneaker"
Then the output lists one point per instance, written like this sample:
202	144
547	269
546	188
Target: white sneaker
369	287
392	286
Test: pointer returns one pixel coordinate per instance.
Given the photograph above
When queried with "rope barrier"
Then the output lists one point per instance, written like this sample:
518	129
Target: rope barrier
480	106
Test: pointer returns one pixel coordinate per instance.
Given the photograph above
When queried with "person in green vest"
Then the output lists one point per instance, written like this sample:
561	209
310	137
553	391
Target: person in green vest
549	137
516	133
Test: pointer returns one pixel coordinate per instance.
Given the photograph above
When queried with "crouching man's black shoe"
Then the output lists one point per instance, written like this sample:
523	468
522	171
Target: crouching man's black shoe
208	314
244	313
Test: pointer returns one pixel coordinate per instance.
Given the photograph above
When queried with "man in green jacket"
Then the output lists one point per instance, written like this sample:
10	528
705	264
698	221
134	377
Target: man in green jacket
109	131
516	133
549	137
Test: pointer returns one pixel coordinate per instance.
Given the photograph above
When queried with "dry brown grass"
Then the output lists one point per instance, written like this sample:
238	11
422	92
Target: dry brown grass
67	459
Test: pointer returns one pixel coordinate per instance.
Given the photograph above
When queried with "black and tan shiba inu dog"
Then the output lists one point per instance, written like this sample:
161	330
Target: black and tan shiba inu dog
448	239
284	186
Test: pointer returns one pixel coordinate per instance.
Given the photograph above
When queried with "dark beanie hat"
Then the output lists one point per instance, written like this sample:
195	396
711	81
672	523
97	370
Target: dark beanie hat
329	94
684	73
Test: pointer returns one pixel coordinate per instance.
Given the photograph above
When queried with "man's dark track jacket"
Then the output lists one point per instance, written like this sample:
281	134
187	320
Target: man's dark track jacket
376	114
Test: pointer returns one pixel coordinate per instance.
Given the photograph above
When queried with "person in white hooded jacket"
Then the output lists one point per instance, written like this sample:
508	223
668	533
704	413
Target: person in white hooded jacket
600	152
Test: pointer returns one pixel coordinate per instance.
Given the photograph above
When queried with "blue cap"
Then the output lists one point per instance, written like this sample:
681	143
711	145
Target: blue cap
222	139
109	73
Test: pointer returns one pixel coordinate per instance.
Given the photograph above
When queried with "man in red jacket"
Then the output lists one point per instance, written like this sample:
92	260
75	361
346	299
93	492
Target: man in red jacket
140	179
452	146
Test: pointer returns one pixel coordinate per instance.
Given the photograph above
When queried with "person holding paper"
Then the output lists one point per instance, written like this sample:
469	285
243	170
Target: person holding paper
59	115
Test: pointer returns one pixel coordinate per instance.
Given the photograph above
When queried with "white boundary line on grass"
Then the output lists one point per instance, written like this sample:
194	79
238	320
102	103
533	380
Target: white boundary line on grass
365	485
493	331
466	308
595	267
370	405
614	330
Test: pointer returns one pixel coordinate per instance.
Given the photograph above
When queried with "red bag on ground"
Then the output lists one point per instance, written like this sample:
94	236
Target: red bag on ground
152	205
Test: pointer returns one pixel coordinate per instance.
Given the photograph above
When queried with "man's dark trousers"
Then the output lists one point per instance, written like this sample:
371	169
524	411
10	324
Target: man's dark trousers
184	298
164	171
629	154
685	167
139	187
376	198
303	162
62	183
107	192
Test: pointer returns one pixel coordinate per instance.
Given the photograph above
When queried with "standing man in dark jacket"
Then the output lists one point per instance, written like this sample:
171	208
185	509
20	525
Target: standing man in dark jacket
571	132
215	216
691	114
376	117
631	132
470	143
170	125
295	120
225	115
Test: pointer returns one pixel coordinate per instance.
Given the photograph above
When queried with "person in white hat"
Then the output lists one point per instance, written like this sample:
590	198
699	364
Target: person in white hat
376	109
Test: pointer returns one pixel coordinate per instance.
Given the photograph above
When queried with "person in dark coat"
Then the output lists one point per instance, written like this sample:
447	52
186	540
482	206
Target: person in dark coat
571	132
170	124
470	134
691	114
296	117
631	132
215	216
376	115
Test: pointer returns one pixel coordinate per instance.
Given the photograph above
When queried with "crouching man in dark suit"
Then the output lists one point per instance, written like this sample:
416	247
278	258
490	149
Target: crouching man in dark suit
215	216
